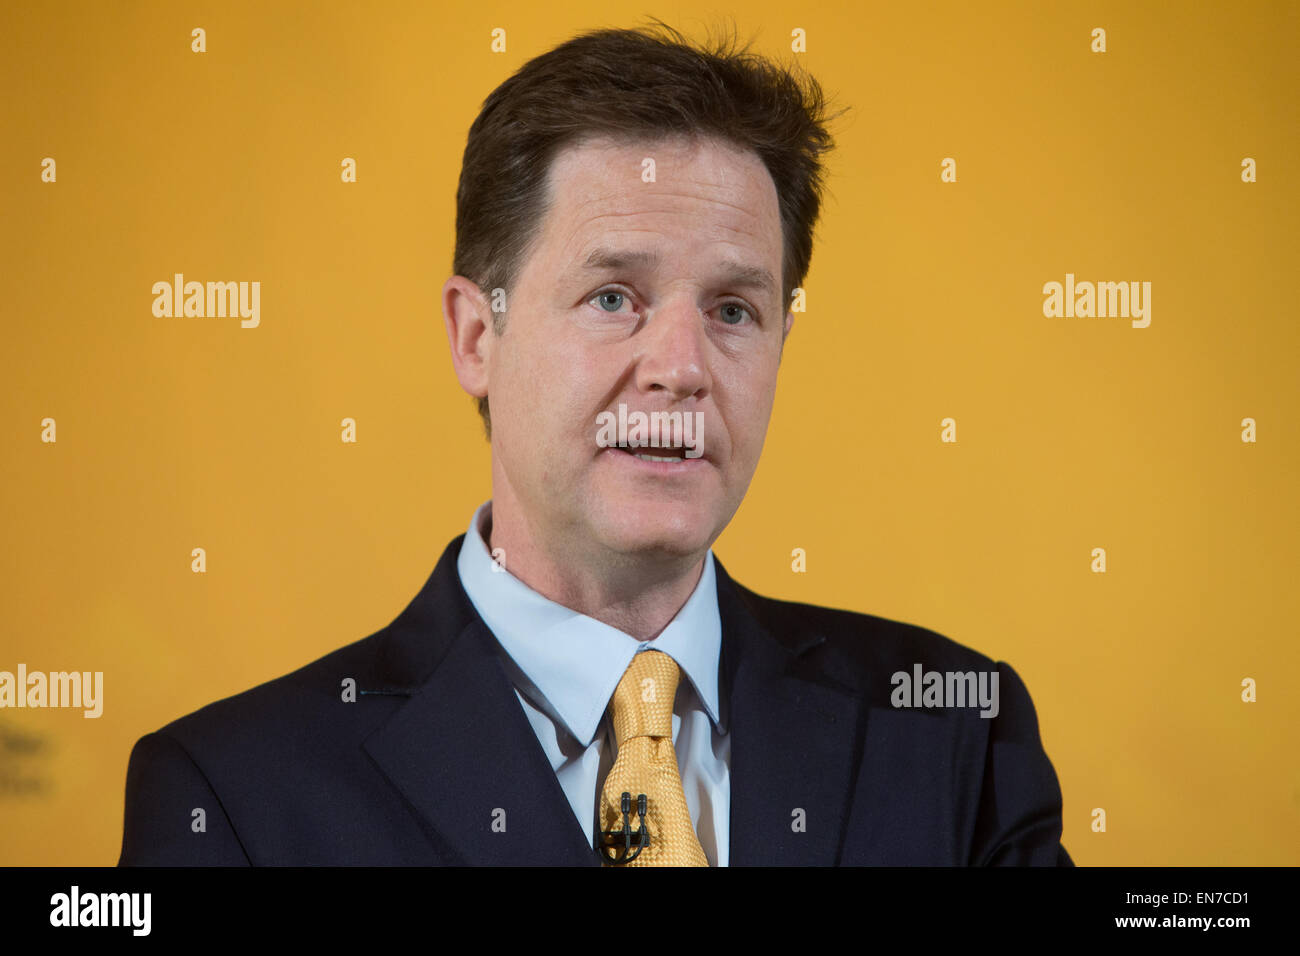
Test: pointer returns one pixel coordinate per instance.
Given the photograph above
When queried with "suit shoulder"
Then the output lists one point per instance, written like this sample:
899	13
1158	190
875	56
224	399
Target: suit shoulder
857	644
295	704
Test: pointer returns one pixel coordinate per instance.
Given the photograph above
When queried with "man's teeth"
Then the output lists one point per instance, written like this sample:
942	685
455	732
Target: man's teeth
648	457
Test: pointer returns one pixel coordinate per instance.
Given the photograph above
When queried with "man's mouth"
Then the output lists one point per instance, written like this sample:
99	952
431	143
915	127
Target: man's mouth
656	454
669	439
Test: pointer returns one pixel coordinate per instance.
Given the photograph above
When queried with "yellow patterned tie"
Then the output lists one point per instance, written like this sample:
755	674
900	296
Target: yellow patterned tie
642	709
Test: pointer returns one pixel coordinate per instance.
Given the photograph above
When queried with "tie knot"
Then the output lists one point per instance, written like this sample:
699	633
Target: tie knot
643	701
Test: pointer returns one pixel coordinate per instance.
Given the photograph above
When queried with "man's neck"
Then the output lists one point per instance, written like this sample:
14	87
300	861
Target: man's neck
639	596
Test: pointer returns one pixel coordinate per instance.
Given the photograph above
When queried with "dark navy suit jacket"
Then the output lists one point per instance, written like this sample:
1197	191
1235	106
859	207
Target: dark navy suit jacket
824	770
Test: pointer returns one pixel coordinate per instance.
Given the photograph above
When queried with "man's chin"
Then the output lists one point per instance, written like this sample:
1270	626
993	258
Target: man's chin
673	533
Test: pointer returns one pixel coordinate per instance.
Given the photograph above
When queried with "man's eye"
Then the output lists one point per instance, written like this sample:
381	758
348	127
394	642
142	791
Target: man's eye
609	301
733	313
612	301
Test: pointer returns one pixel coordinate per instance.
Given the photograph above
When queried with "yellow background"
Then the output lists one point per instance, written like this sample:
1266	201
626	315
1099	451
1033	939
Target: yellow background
924	302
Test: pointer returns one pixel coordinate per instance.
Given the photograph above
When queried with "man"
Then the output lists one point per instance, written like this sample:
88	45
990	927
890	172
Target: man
580	682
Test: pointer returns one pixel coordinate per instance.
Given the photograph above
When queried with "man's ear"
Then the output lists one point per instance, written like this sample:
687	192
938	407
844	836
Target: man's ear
468	318
785	331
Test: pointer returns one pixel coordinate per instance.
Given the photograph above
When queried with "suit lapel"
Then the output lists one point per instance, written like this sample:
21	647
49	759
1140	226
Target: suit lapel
794	744
460	750
465	758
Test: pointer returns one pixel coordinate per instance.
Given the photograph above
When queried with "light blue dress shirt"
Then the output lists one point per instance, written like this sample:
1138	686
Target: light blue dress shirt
565	666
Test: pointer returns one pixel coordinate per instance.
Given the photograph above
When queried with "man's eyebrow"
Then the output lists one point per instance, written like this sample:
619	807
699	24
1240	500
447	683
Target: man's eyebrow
742	276
620	259
733	273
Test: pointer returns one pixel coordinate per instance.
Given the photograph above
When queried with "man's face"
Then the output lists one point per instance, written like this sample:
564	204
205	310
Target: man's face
662	296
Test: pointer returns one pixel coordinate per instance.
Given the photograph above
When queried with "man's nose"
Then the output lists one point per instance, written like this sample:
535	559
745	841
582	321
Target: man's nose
672	351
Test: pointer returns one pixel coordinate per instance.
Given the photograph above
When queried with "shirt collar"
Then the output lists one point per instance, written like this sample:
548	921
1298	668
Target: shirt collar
575	662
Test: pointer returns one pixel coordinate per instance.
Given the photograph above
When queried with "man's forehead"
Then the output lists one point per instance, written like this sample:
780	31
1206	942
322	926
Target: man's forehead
598	168
598	185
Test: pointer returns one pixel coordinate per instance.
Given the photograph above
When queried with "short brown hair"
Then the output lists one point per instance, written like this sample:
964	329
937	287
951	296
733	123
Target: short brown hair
648	82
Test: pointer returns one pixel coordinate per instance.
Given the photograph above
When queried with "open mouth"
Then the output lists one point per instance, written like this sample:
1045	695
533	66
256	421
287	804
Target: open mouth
670	455
668	438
